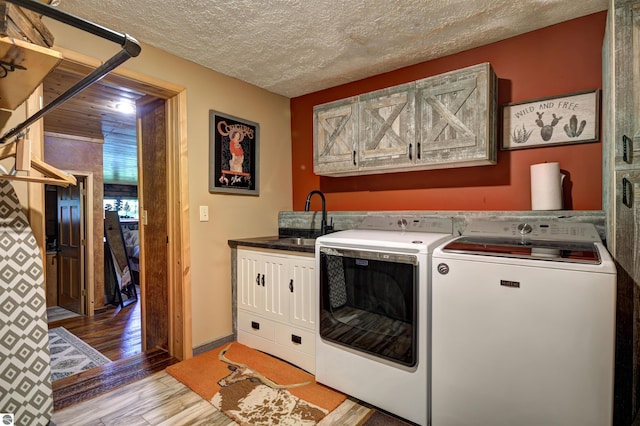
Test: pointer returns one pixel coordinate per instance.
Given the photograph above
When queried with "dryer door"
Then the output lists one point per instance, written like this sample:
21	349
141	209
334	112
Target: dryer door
368	302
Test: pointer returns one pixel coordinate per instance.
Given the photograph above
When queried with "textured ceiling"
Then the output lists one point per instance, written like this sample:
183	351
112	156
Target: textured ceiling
290	47
295	47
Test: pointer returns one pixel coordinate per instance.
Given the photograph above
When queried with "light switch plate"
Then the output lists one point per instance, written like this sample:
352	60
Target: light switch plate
204	213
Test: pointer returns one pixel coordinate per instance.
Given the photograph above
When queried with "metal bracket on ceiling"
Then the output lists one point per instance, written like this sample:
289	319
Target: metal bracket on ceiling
6	68
130	48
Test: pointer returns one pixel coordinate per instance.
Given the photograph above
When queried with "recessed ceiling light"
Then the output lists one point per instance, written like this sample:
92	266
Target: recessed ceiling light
126	107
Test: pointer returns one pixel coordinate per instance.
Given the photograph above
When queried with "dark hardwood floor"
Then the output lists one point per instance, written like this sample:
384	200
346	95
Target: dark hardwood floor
116	333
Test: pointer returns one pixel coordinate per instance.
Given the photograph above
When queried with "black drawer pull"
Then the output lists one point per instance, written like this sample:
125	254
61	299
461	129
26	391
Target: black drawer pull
255	325
627	190
262	280
296	339
626	147
291	285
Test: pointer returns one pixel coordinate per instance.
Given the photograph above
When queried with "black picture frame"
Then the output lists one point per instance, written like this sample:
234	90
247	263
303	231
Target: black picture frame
234	165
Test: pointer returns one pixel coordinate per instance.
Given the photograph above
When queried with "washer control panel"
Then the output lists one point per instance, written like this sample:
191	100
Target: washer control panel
535	230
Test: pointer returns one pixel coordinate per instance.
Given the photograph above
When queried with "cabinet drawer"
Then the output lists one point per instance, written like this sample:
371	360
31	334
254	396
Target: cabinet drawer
296	338
258	326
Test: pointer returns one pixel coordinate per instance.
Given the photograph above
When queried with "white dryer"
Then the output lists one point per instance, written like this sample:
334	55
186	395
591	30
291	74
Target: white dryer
372	321
523	326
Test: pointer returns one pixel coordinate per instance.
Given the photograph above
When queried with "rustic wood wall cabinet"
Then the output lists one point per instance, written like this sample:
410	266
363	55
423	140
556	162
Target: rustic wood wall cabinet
24	24
444	121
621	193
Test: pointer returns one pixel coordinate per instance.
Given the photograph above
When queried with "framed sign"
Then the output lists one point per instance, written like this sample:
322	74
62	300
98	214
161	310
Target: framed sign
559	120
233	154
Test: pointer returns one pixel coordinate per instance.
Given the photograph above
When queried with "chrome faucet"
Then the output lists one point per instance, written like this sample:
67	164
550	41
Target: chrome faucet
324	228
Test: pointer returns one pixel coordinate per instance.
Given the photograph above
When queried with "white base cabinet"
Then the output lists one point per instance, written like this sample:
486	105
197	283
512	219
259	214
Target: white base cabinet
276	302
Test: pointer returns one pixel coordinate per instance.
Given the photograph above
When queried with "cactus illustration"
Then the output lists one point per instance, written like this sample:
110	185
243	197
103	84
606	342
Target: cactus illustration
546	130
572	130
521	135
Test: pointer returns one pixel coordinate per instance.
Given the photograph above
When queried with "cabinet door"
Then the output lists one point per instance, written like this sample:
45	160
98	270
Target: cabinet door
275	287
456	117
335	137
627	85
387	128
302	290
621	193
249	277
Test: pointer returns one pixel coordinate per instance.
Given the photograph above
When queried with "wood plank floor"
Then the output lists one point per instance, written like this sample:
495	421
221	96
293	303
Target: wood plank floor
116	333
134	389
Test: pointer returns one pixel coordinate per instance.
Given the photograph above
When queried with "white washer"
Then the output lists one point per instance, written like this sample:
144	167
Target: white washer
523	326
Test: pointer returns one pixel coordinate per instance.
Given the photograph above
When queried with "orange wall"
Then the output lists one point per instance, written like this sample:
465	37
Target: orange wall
556	60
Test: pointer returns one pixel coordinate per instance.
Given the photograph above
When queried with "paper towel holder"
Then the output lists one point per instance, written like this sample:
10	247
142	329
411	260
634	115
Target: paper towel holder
567	186
548	187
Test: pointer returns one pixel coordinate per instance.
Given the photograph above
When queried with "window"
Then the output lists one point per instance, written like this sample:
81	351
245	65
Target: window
126	208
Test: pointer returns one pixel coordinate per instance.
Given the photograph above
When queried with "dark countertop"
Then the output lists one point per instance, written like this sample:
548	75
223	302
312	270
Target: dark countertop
275	243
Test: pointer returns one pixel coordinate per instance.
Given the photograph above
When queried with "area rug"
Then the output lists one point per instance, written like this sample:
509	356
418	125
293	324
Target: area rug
70	355
254	388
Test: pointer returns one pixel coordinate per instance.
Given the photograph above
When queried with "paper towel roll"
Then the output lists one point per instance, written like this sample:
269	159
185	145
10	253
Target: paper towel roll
546	186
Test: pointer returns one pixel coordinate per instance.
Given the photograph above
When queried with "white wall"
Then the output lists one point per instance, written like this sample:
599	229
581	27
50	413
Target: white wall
231	216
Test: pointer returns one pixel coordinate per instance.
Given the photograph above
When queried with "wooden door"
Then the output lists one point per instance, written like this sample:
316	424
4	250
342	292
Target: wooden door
387	128
154	231
71	248
335	137
456	118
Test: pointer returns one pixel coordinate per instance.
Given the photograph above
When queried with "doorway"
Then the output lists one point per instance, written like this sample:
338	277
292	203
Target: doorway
176	305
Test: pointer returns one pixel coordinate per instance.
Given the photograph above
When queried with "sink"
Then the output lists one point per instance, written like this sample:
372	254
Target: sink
297	241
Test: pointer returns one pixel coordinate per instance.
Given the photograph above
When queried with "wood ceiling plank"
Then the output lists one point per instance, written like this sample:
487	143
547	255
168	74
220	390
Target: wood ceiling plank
92	113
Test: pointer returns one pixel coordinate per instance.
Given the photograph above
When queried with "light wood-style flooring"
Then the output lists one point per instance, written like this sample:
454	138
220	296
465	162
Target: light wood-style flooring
134	389
162	400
